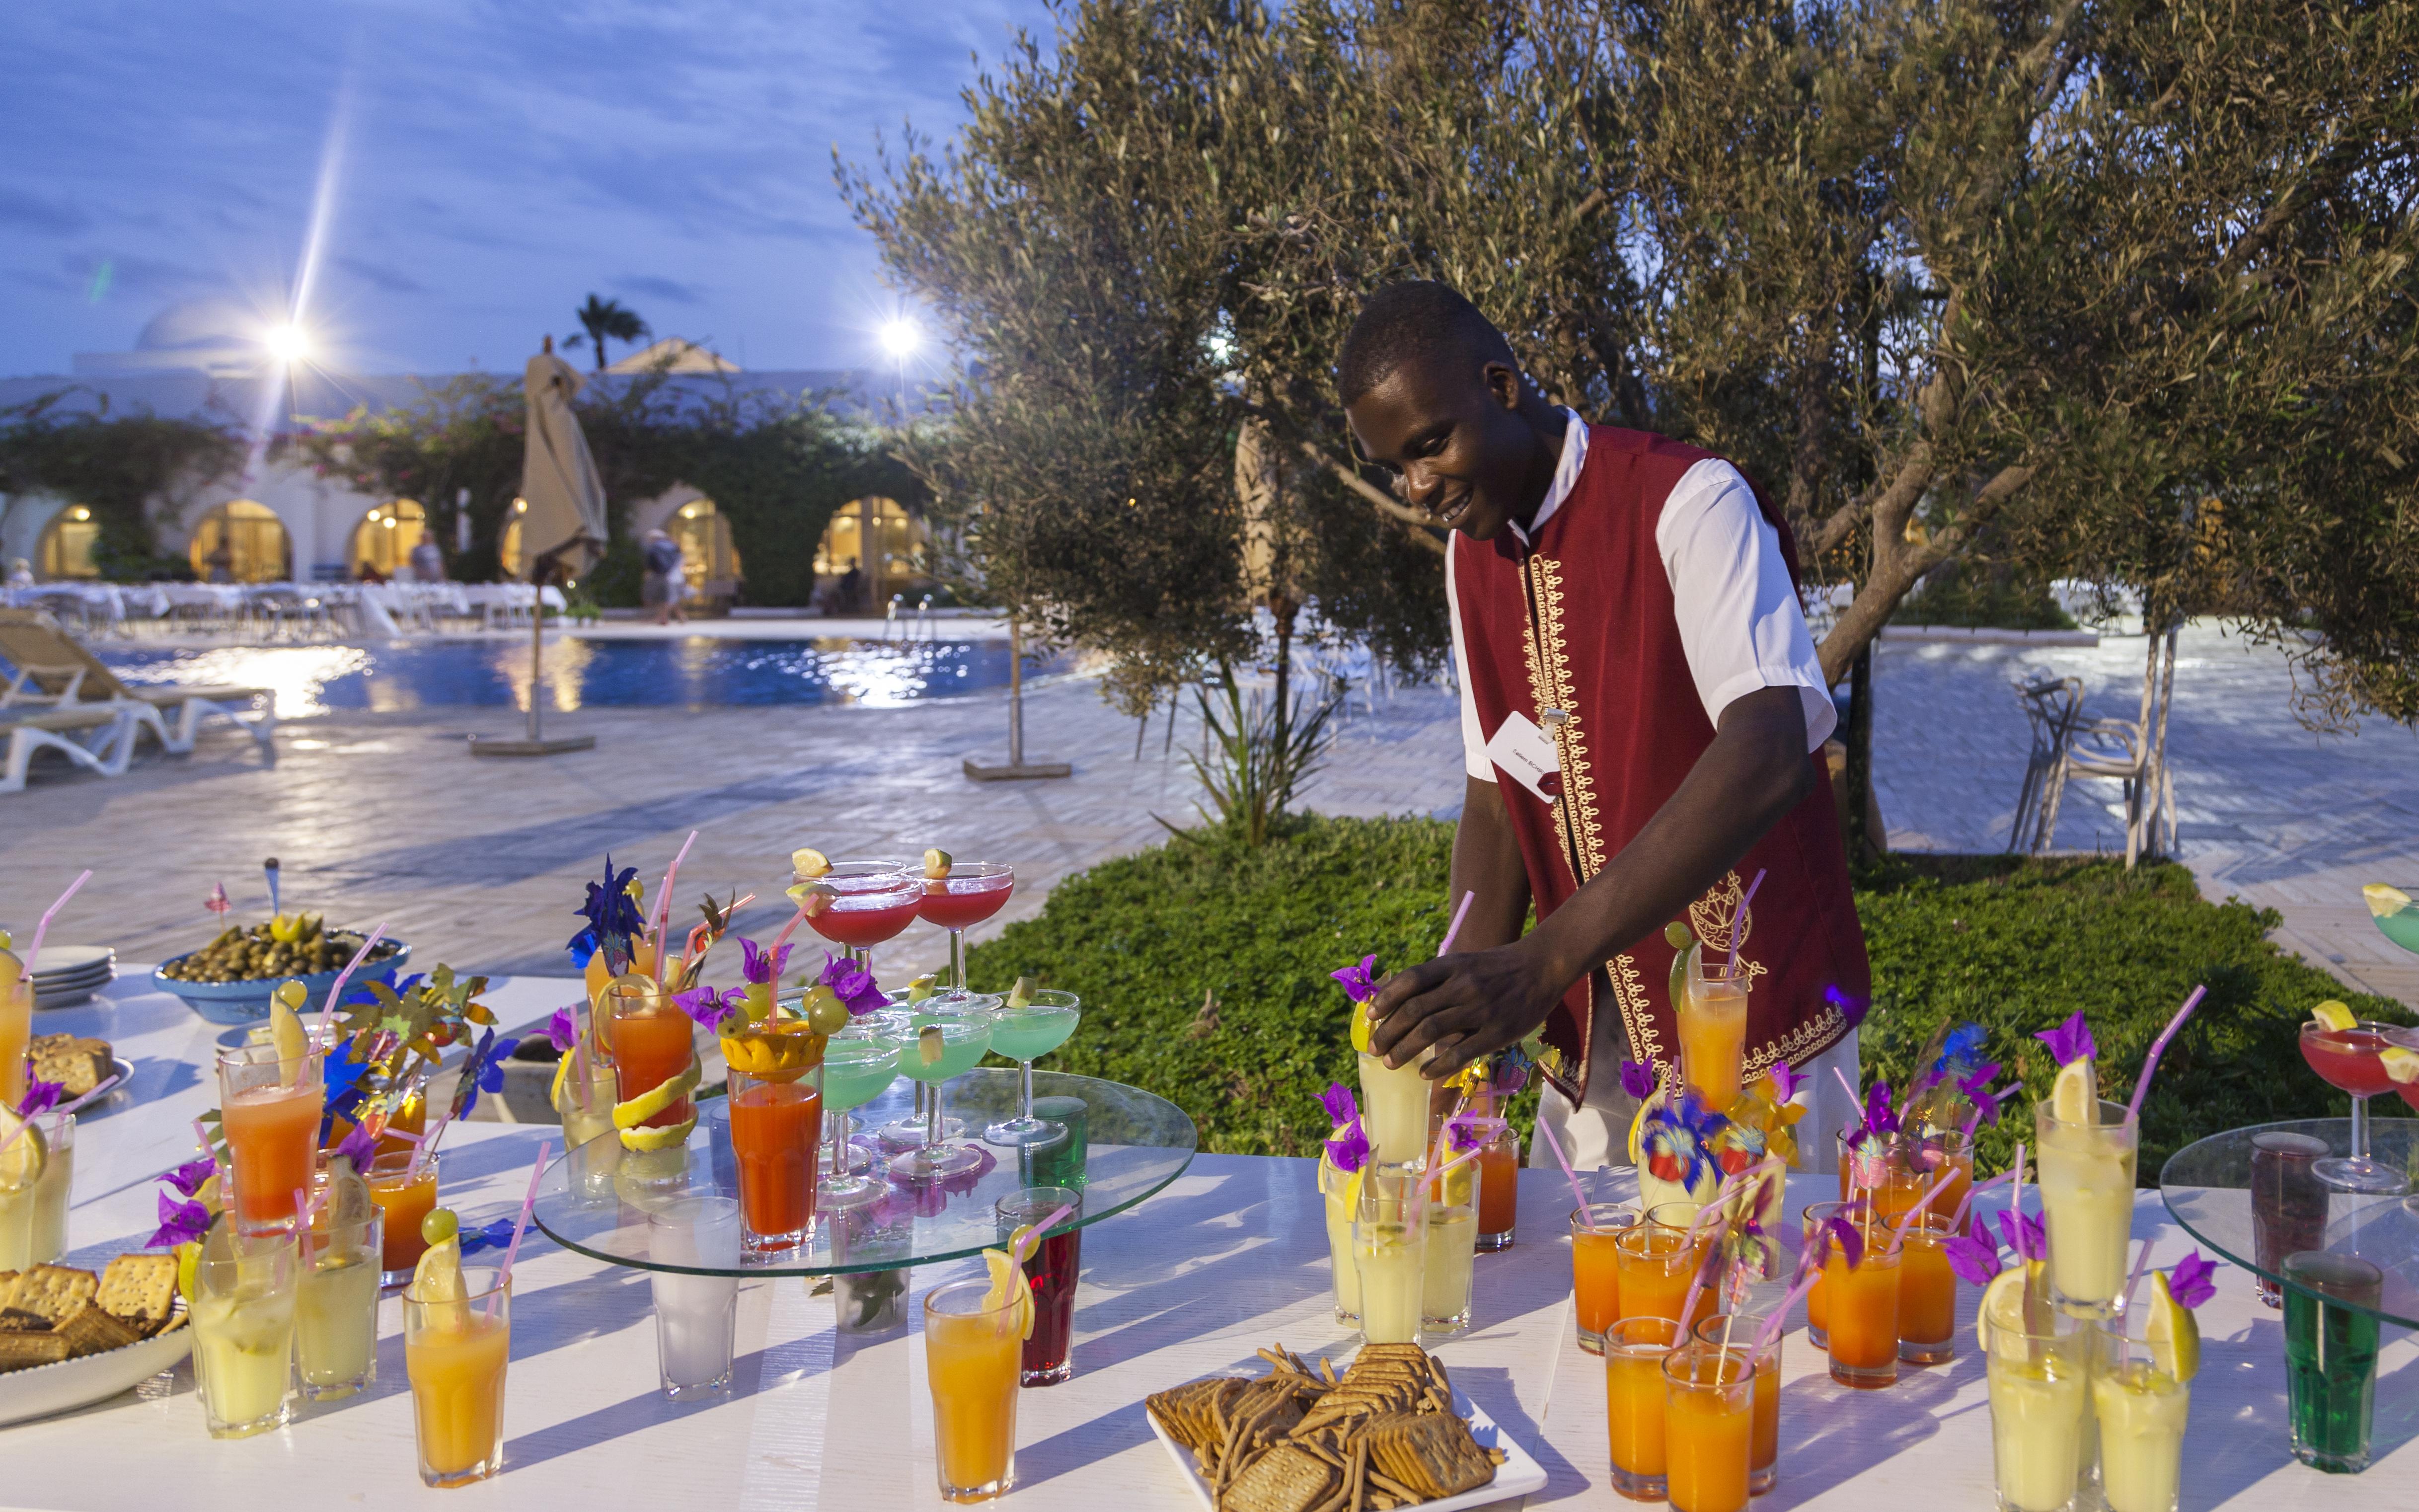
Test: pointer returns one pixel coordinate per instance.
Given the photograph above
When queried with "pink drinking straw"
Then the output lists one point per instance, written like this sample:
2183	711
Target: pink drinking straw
1032	1239
1907	1219
1454	928
520	1225
1972	1191
664	907
1556	1146
44	927
787	929
60	1112
2158	1047
216	1164
335	996
1738	924
427	1144
1771	1329
1731	1186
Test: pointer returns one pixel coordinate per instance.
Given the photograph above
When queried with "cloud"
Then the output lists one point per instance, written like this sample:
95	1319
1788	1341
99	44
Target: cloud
395	280
650	286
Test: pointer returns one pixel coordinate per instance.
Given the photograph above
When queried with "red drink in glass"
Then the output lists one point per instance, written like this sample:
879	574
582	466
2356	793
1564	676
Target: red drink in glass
650	1049
774	1127
2347	1059
866	922
1050	1269
966	901
1499	1191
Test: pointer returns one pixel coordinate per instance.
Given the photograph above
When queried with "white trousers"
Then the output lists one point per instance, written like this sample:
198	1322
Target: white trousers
1597	1132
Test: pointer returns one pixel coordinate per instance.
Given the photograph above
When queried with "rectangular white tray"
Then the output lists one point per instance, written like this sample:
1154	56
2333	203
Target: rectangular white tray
1519	1475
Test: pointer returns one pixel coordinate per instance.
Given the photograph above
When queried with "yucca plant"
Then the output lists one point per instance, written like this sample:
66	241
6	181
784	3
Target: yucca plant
1256	753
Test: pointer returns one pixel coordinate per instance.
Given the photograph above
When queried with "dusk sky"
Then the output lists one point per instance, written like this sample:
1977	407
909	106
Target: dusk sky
490	164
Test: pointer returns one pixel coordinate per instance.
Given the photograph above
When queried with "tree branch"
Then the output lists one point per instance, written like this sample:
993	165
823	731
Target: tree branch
1387	505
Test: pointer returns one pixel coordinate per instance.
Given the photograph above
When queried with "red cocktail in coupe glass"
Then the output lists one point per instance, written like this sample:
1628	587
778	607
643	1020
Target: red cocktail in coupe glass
2350	1060
972	892
876	900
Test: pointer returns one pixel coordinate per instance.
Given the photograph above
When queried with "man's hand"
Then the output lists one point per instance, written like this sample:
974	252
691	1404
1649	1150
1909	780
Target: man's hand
1466	1005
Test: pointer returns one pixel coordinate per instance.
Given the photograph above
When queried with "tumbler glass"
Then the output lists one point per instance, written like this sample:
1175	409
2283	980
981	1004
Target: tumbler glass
971	1363
336	1316
2331	1357
2140	1411
1595	1269
1050	1269
697	1315
1708	1427
1763	1448
454	1351
2288	1203
244	1295
1634	1352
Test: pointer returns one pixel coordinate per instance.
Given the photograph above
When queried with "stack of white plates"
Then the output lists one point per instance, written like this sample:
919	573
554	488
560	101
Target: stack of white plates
69	974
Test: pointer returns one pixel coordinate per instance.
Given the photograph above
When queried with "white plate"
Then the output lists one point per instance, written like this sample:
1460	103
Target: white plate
73	1383
1519	1475
72	960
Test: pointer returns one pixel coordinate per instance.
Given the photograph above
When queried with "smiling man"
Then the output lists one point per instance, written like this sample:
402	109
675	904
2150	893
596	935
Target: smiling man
1640	706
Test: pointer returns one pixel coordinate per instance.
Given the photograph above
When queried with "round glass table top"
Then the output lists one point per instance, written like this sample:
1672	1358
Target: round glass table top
2206	1186
1127	1145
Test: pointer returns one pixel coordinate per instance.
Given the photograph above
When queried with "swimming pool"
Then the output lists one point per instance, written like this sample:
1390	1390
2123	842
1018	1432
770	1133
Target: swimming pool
692	671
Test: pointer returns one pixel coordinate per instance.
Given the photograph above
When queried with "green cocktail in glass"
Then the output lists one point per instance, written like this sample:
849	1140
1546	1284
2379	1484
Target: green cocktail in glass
933	1047
2331	1357
1025	1034
859	1063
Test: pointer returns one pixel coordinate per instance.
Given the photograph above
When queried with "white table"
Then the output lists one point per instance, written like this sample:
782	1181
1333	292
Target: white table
1231	1257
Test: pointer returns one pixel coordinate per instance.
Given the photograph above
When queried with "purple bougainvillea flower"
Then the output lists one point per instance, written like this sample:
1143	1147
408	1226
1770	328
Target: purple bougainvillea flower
1977	1089
1786	1081
1359	983
760	966
1337	1101
1351	1152
40	1097
1851	1008
2189	1283
563	1031
1850	1239
179	1223
708	1007
2070	1042
1880	1117
1637	1078
2025	1236
360	1147
1975	1262
853	984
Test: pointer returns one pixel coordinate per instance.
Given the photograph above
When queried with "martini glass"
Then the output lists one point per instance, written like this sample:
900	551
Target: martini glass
972	892
933	1048
1024	1034
2350	1060
909	1133
859	1063
876	900
2397	916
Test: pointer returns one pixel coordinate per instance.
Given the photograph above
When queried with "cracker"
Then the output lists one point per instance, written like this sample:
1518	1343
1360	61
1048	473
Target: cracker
141	1289
55	1292
1284	1479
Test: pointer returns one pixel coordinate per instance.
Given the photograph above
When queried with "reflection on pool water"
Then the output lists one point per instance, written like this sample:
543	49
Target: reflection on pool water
695	671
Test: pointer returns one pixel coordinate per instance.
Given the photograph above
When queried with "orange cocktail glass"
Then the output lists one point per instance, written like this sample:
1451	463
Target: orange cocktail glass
1764	1442
405	1196
1657	1264
775	1128
1709	1422
1818	1314
269	1108
1595	1277
1499	1191
16	1033
455	1353
1927	1293
653	1042
973	1357
1863	1312
1634	1348
1712	1020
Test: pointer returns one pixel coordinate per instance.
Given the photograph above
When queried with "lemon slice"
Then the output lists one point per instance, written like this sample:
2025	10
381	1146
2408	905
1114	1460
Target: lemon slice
2384	901
931	1045
189	1265
22	1162
286	928
2401	1064
2172	1332
639	1109
1008	1279
937	863
812	897
920	988
2331	1014
810	863
2073	1100
285	1025
646	1141
1362	1028
1021	993
2003	1304
1352	1189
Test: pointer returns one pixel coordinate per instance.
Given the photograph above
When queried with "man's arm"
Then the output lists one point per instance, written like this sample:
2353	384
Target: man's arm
1469	1004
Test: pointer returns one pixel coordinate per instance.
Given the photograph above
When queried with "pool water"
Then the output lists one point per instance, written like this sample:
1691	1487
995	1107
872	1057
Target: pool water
692	671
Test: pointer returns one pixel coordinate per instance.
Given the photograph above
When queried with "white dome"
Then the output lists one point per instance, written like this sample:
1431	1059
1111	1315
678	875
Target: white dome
196	324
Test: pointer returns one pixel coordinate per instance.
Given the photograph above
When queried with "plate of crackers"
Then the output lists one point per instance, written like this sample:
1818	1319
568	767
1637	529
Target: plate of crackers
69	1337
1387	1432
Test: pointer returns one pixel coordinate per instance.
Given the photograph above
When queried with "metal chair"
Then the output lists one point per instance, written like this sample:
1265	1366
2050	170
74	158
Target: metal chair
2133	751
2051	706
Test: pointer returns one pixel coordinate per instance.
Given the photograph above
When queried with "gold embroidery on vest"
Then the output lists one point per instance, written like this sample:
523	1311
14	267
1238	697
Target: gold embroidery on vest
1798	1040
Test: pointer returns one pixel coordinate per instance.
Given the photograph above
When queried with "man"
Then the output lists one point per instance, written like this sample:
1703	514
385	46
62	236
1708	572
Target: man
663	580
428	558
1640	709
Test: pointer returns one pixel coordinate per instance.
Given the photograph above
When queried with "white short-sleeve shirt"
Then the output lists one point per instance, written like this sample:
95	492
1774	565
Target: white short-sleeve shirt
1741	625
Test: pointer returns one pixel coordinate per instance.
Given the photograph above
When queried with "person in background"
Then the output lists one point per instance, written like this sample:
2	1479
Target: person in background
663	580
368	573
221	563
21	574
851	589
428	559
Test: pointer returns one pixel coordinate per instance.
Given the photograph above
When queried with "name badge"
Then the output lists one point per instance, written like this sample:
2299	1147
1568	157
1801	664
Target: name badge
1525	752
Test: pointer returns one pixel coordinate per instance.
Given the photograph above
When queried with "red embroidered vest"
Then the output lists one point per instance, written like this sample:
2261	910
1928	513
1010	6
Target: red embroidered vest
1581	620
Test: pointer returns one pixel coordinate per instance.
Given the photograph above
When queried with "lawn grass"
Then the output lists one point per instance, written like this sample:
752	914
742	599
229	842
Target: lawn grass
2014	944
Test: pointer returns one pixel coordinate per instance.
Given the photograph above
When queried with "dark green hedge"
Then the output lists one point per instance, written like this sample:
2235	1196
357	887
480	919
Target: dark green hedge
2011	944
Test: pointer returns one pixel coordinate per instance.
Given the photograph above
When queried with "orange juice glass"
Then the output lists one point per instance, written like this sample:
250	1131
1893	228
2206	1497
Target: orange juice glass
653	1042
1657	1264
1634	1349
1950	1154
1708	1427
16	1033
1595	1277
455	1351
1764	1441
775	1129
1712	1029
1927	1293
268	1109
405	1196
1863	1308
1499	1191
1818	1314
973	1356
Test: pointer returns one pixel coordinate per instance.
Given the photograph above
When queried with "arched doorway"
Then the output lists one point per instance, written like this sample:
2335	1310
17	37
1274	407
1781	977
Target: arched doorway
708	558
66	549
385	536
242	542
879	537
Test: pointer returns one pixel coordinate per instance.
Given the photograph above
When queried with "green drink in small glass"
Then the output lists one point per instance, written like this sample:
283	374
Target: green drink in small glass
2331	1357
1025	1031
859	1064
933	1048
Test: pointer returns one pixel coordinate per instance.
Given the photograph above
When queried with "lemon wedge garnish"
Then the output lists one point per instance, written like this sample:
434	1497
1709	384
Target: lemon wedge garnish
931	1045
812	897
188	1264
2401	1064
937	863
1007	1279
1021	993
810	863
2003	1304
2073	1100
2331	1014
920	988
285	1025
2384	901
1352	1189
22	1163
637	1110
646	1141
1361	1027
2172	1332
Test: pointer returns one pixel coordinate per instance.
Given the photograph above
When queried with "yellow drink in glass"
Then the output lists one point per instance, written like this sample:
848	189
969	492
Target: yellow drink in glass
2141	1410
336	1313
1395	1110
455	1353
2039	1409
973	1356
1451	1267
2087	1187
1334	1191
244	1304
1389	1250
34	1214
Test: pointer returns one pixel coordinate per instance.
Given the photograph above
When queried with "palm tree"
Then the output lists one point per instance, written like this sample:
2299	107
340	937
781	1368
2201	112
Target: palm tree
606	319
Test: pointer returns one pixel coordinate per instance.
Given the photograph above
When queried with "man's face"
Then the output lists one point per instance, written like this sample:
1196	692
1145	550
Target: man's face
1455	443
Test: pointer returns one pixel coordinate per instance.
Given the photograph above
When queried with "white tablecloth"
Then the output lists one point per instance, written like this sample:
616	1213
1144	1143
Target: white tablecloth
1231	1257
